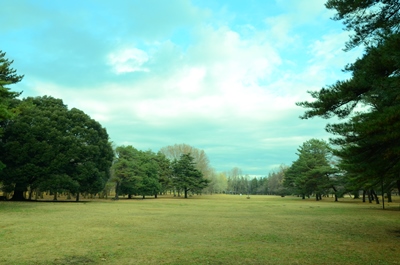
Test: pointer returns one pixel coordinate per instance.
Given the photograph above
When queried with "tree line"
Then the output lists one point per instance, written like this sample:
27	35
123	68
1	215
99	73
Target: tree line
144	173
47	147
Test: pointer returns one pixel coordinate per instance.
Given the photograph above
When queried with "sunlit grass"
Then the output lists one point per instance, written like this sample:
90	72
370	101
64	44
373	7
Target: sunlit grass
217	229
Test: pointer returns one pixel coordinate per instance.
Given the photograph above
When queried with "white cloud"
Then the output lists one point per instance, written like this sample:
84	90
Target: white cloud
279	30
327	53
128	60
217	80
191	80
230	88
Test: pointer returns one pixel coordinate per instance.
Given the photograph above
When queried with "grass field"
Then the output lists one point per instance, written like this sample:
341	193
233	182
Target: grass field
217	229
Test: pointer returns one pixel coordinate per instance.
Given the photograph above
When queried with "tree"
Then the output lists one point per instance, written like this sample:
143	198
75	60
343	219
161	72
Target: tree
235	181
174	152
49	147
217	183
263	186
368	142
138	172
368	20
149	170
164	172
125	174
370	100
186	176
311	172
275	181
8	76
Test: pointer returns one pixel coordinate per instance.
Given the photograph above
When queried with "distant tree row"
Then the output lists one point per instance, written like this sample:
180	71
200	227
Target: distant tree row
319	172
142	173
244	184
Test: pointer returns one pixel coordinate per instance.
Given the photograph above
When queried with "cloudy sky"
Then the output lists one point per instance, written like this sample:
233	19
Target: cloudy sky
219	75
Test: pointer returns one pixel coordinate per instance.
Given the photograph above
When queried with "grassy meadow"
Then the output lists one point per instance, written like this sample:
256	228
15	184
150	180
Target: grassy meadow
207	229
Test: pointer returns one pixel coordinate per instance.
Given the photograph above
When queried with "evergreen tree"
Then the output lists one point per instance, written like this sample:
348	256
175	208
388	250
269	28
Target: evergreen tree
311	172
186	176
8	77
369	101
48	147
367	20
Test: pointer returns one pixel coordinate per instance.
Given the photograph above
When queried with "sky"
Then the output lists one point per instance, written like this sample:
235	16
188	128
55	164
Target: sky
219	75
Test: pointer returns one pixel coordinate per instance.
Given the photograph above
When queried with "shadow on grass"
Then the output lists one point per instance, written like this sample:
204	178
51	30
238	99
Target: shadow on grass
394	232
48	201
76	260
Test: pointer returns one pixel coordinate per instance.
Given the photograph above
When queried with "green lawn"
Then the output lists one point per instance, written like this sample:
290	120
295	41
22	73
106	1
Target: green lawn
217	229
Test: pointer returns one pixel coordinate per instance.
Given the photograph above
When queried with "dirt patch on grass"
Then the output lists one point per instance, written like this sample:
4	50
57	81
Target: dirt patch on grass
74	260
395	232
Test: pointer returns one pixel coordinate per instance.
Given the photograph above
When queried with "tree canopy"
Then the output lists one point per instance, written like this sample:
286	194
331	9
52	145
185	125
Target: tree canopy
200	158
8	76
312	171
49	147
367	20
186	176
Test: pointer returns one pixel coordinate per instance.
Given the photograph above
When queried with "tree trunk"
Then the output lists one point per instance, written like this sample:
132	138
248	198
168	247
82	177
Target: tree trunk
335	190
55	196
77	197
143	197
18	196
389	195
364	192
155	195
303	196
19	193
186	193
116	191
398	185
369	196
376	196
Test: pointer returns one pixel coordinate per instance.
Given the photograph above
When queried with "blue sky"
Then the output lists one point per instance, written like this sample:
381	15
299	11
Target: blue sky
222	76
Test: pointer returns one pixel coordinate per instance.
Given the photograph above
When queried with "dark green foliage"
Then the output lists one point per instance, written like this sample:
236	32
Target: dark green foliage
137	173
311	173
186	177
49	147
124	171
145	173
164	171
374	82
370	20
8	76
368	141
